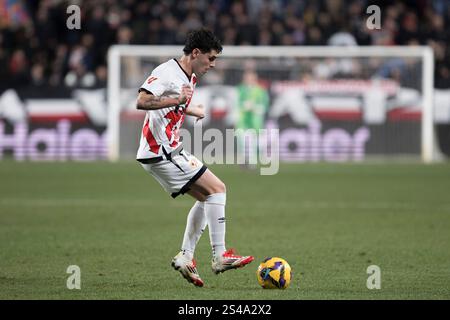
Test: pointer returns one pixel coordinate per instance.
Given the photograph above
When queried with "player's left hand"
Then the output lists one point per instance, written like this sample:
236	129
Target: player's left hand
200	112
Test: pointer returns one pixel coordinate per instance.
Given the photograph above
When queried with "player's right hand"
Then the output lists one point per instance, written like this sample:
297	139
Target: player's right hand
186	94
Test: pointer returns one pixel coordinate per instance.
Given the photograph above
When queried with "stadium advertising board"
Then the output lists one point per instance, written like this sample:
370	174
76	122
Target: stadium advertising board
48	127
345	120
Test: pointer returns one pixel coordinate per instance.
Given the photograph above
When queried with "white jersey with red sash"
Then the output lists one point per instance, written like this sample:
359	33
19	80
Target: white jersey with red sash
161	127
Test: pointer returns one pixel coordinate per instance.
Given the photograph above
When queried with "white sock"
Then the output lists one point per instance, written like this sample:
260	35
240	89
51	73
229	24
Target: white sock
215	215
195	225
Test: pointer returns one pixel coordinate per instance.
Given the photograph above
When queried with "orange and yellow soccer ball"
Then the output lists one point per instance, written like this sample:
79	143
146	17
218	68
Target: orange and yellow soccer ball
274	273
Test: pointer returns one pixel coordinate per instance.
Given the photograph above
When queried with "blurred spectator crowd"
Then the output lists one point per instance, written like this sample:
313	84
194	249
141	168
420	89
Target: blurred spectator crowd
36	47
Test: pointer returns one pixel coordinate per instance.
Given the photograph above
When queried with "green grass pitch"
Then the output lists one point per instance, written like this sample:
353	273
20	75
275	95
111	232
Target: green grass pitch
330	222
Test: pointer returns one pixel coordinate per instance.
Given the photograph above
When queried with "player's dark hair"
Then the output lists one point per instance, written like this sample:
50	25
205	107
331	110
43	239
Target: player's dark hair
202	39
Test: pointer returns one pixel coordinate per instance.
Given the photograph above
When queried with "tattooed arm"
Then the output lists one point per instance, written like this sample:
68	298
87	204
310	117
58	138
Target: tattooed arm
147	101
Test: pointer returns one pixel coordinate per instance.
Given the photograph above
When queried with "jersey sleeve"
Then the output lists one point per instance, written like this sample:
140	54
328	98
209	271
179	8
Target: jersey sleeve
155	84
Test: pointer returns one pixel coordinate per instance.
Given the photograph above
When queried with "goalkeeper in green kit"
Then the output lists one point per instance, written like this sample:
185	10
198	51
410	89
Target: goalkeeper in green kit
253	102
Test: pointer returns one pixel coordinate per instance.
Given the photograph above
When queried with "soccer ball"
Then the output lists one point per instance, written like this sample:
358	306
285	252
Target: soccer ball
274	273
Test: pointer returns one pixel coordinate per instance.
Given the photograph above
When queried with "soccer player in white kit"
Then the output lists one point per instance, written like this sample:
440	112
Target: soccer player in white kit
166	96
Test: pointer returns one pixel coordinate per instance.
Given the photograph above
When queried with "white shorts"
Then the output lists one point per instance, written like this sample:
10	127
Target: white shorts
178	175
